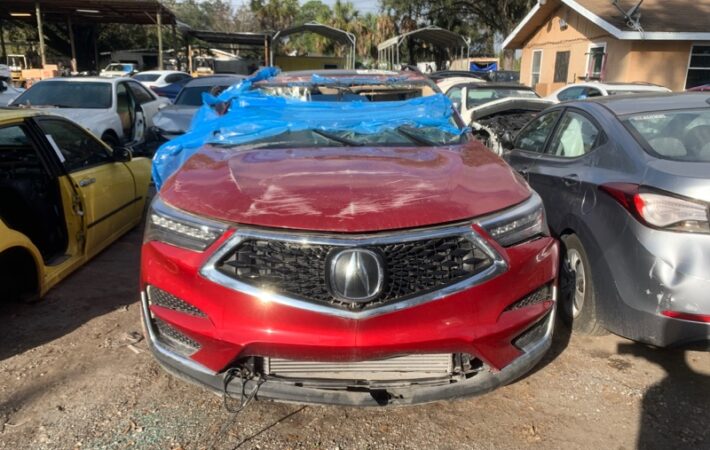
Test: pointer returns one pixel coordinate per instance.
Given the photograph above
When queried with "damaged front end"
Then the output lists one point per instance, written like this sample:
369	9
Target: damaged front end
492	121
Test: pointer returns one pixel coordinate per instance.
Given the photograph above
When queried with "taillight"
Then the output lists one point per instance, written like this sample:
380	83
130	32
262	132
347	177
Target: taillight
687	316
659	209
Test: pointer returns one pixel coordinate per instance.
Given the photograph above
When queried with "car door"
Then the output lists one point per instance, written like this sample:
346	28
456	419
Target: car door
530	144
146	102
106	187
560	172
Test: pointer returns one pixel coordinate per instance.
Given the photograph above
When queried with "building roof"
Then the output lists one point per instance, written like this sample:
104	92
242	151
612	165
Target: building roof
142	12
670	20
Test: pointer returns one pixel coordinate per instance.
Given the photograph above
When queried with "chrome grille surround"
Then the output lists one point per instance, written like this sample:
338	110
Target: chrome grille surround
211	272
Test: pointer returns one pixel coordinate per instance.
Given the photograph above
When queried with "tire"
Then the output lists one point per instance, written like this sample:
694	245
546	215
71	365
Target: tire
110	139
578	298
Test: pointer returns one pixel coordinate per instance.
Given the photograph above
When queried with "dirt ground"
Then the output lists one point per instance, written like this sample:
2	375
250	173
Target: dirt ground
70	378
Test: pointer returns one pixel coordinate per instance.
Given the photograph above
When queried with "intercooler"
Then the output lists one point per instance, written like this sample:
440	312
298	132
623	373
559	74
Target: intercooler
410	367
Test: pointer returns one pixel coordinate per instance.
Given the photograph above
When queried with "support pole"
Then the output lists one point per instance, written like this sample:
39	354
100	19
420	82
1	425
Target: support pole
40	32
96	47
175	47
159	22
267	52
70	31
2	43
189	55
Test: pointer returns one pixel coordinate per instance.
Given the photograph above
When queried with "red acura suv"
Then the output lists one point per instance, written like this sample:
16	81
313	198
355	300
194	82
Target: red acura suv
396	266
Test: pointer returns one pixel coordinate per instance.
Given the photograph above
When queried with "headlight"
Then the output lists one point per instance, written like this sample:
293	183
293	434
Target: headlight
175	227
517	224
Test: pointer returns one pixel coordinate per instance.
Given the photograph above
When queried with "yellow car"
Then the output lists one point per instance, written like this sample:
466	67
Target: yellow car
64	197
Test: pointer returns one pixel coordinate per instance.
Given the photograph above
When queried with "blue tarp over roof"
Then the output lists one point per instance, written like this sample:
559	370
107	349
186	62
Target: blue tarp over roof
253	115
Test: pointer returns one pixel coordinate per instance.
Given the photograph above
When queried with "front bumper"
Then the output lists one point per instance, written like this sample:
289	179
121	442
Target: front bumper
485	321
348	394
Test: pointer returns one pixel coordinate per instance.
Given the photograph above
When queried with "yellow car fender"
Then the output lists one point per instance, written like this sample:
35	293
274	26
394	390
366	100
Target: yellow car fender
10	238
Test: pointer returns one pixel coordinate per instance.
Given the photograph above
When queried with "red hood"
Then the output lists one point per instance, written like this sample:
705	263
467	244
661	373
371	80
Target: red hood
353	189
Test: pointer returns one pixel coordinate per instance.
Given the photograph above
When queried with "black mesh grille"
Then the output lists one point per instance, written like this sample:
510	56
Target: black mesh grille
299	270
532	334
167	300
538	296
169	335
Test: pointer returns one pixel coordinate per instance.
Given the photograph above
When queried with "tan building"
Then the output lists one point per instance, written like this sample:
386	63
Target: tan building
664	42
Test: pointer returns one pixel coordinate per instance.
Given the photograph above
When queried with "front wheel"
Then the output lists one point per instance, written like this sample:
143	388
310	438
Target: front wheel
578	298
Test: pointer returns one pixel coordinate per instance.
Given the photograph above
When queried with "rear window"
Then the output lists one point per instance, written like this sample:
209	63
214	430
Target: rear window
146	77
676	135
192	96
67	94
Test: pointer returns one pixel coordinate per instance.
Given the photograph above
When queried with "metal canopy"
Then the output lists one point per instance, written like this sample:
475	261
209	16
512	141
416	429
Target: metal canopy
217	37
139	12
438	37
334	34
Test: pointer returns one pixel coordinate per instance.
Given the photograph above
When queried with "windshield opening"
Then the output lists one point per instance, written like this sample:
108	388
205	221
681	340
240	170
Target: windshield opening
675	135
403	136
348	92
66	94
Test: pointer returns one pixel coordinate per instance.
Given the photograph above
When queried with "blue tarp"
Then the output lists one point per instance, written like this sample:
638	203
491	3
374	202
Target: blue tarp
253	115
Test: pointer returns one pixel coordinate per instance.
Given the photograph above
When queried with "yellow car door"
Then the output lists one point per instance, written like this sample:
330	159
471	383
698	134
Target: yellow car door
106	185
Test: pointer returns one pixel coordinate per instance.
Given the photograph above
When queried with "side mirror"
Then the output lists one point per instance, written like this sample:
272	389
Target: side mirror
3	86
162	106
122	154
457	105
506	140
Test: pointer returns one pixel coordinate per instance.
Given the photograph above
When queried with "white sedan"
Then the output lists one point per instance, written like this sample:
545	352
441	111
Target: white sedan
580	91
118	110
160	78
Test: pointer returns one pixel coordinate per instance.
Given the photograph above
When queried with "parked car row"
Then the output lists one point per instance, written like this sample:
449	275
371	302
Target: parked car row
383	255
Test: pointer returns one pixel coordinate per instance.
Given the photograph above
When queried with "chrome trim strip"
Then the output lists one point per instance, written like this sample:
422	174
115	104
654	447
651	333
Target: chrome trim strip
163	350
529	206
210	272
534	346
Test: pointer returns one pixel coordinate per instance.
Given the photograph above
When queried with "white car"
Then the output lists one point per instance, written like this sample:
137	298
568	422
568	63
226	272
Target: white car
580	91
8	92
492	109
119	70
118	110
160	78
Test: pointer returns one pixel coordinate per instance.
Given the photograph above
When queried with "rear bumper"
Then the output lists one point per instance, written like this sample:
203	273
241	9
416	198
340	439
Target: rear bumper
343	393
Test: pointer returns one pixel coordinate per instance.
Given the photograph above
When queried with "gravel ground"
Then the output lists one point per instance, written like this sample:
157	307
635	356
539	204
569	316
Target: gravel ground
72	378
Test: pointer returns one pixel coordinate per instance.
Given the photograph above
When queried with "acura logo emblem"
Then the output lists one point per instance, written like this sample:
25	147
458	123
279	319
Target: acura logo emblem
356	275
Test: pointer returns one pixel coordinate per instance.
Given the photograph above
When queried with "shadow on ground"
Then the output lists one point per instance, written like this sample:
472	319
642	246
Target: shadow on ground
107	283
675	411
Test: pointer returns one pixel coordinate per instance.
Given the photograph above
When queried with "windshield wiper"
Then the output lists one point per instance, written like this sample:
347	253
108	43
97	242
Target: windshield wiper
424	142
336	138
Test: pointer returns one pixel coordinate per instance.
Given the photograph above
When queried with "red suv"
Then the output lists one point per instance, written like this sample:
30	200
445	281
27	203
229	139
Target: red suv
395	266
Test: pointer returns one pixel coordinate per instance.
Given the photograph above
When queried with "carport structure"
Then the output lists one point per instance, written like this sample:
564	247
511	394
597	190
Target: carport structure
389	51
87	12
217	37
340	36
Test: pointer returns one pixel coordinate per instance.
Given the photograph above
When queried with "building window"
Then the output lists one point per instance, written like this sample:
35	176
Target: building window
596	59
561	67
536	65
699	66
